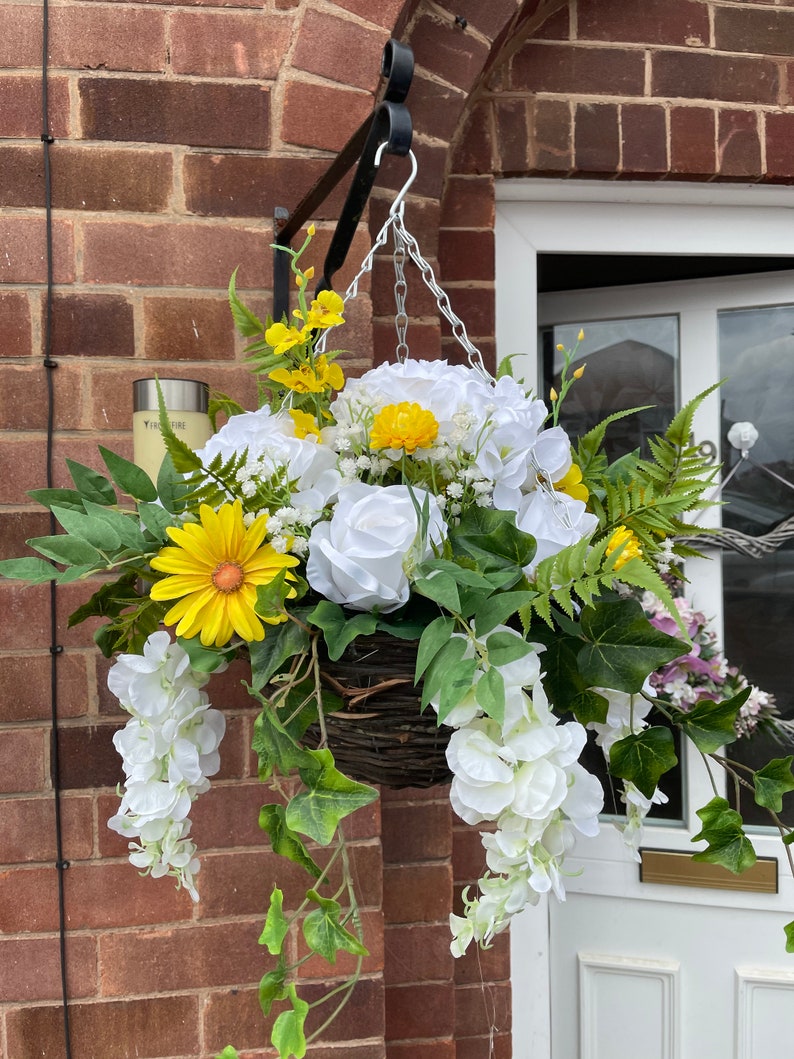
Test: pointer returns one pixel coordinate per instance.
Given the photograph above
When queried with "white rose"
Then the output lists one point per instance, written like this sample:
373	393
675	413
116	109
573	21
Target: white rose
364	556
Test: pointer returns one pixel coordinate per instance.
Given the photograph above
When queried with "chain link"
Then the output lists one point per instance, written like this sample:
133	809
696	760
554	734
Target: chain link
405	245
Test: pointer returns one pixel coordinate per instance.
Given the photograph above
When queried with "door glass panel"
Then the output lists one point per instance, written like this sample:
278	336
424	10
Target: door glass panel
631	362
757	362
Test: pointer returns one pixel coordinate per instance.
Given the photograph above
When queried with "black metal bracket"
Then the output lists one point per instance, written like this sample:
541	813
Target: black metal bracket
388	127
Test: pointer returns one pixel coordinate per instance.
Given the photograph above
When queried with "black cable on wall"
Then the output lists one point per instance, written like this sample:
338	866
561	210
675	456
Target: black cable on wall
55	648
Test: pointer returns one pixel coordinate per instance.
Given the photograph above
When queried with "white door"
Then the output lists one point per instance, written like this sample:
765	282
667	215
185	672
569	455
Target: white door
627	969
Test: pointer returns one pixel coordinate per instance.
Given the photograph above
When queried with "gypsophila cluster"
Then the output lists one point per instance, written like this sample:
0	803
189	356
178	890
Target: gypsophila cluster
169	748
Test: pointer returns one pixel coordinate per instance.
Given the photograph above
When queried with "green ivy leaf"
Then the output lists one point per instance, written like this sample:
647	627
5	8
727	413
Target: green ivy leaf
29	568
710	724
286	842
276	925
270	598
642	758
228	1053
130	478
492	538
773	781
281	642
723	830
274	745
589	706
623	648
288	1037
789	929
91	485
325	934
339	630
272	987
330	797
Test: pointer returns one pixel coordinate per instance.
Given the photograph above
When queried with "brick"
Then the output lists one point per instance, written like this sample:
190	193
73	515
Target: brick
418	953
21	760
17	385
88	758
644	140
436	108
24	464
20	45
779	146
239	185
16	527
417	1011
473	152
229	43
423	339
556	27
467	255
381	14
20	105
232	1015
491	18
426	901
475	306
24	257
738	145
228	815
512	136
494	1046
692	142
93	37
184	957
240	882
468	202
28	900
25	692
27	829
551	136
185	112
15	325
303	102
188	329
417	1050
441	49
93	892
734	79
92	325
578	70
484	965
158	1026
346	46
676	22
468	855
762	31
596	138
361	1018
416	833
30	968
178	255
478	1012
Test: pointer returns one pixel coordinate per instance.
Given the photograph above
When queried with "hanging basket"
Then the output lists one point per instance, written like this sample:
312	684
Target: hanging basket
380	736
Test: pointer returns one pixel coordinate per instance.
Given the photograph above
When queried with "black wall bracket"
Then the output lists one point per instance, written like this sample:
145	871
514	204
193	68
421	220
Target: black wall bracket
388	127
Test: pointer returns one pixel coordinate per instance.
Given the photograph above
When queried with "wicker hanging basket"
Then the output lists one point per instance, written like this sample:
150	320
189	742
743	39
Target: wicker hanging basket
380	736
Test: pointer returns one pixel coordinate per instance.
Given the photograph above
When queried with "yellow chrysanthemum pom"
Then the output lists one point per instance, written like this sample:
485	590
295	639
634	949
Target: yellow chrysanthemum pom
215	566
405	426
631	550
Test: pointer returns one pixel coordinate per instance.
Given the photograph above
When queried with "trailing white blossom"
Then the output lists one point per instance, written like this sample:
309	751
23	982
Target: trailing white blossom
168	748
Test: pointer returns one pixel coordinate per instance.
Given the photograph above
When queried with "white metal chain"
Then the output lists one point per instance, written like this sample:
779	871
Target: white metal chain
406	246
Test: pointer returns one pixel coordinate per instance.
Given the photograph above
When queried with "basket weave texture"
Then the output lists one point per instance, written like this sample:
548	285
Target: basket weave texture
380	736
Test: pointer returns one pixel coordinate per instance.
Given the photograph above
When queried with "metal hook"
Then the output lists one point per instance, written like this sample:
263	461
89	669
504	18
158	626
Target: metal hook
397	207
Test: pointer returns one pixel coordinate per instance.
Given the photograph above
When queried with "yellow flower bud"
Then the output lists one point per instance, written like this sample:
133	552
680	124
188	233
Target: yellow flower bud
579	372
311	230
560	347
580	336
553	395
300	281
309	273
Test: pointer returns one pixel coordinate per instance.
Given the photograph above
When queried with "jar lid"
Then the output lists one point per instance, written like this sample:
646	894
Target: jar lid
180	395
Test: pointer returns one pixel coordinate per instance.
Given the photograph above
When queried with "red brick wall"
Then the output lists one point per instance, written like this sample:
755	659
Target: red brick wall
178	128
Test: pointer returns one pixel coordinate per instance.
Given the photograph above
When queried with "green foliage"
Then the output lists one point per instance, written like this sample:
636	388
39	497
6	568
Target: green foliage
288	1036
772	782
284	841
329	797
276	925
326	934
710	725
643	758
723	831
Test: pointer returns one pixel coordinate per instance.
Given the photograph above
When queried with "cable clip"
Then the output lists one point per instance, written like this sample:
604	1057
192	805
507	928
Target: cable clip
56	649
62	865
46	138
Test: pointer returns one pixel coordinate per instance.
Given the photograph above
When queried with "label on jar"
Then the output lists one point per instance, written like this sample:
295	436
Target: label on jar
193	428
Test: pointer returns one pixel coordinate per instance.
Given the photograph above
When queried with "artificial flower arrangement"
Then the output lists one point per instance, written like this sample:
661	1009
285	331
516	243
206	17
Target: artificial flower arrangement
428	503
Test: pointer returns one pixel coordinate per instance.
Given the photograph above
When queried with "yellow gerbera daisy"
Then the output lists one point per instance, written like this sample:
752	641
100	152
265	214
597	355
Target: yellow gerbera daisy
215	567
631	549
405	426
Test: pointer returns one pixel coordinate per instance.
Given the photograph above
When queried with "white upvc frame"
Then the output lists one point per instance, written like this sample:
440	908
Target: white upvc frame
598	217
